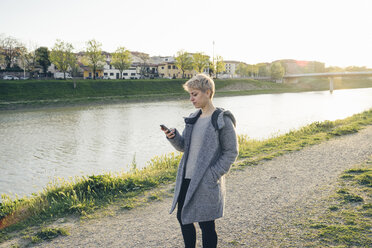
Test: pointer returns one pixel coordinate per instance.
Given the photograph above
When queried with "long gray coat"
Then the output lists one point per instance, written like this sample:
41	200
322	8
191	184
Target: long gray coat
206	193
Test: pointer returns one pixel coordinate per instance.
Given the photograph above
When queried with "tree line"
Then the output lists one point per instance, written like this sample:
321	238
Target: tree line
278	69
199	62
15	56
275	70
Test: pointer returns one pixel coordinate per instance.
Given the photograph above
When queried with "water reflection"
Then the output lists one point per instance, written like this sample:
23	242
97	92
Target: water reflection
37	146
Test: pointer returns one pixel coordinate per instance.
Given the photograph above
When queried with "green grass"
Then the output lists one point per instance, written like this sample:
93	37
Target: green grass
348	222
64	89
36	93
47	234
84	195
252	151
89	90
39	93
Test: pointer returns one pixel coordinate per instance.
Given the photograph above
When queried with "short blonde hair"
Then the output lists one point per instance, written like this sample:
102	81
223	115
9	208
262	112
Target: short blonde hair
200	82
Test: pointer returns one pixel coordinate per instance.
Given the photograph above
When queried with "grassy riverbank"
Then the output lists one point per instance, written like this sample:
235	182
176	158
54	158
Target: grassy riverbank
340	218
347	221
83	196
57	93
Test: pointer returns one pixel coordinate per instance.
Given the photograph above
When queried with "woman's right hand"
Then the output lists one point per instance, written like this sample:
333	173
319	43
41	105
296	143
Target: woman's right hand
171	134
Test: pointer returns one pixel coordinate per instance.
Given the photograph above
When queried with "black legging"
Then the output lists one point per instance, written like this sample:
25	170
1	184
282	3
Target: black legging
208	228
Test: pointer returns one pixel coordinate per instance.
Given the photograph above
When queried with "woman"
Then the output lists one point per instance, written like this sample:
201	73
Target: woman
210	147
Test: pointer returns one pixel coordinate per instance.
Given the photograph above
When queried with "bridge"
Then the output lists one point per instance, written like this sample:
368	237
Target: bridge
293	78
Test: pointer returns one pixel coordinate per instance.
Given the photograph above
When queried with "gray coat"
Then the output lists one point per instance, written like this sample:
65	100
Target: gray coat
206	193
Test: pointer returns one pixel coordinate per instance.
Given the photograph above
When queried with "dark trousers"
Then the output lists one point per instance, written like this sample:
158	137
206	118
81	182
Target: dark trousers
208	228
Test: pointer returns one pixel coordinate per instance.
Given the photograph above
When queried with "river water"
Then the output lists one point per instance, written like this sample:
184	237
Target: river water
36	146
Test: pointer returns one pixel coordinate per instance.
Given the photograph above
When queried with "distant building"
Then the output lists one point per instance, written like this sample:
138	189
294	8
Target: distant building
170	70
144	66
230	68
109	72
88	72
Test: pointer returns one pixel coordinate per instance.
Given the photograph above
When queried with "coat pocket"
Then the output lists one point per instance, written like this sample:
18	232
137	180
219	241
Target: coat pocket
209	179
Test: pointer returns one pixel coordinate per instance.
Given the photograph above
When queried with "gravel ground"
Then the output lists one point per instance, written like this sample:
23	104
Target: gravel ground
262	203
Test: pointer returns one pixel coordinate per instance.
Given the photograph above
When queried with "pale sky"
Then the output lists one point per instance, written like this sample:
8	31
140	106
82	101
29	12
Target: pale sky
337	32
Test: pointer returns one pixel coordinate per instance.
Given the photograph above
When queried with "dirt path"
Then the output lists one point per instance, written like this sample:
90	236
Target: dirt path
261	201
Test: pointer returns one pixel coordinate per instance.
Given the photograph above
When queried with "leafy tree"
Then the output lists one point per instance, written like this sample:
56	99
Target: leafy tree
253	70
334	69
262	70
94	56
10	49
356	68
277	71
319	67
62	56
121	60
242	70
200	61
183	61
42	58
75	70
219	65
247	70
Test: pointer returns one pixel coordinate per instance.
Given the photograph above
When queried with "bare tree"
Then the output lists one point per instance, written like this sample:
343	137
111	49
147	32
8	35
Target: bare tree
144	57
29	58
10	50
2	56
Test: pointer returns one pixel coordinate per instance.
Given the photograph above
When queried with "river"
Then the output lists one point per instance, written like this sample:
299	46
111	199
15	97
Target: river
36	146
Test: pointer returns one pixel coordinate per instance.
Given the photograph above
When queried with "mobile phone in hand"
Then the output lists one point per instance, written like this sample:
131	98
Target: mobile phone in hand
164	128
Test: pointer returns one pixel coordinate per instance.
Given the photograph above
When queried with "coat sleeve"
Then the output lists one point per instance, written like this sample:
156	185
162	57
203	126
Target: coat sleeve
178	141
229	149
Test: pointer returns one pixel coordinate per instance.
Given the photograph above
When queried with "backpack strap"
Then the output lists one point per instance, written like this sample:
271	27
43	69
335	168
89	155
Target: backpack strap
215	115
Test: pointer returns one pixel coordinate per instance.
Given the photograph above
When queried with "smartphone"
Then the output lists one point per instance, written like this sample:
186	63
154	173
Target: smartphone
163	127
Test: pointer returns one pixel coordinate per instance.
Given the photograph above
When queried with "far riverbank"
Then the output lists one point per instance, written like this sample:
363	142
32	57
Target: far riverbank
36	94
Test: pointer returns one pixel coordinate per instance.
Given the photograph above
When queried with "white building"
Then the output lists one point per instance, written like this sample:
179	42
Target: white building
109	72
150	66
133	72
230	68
